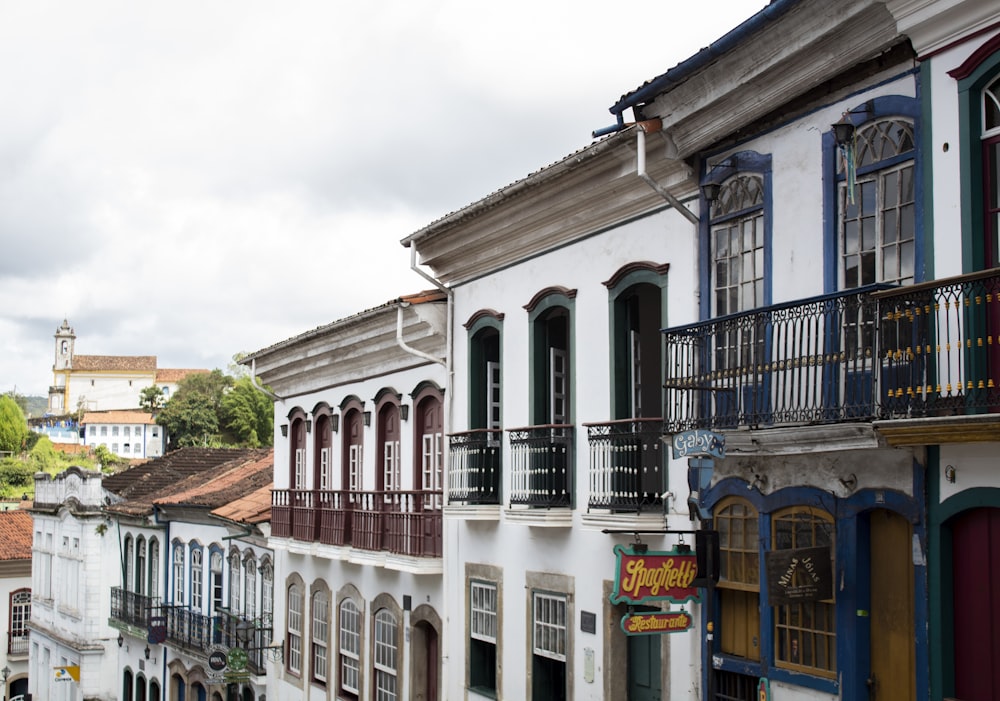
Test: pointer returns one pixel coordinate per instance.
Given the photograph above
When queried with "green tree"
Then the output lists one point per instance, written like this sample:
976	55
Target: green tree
248	415
151	398
191	415
13	426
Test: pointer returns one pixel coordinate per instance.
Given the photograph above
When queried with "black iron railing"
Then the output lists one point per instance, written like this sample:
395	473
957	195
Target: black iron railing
541	465
627	467
474	466
873	352
131	608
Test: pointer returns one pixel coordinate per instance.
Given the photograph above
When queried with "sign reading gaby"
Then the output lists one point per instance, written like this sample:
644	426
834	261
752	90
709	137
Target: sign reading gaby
651	576
656	623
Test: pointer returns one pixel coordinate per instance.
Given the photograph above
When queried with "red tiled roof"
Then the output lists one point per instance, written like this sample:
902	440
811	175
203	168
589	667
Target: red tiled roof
115	362
118	416
176	375
15	535
225	484
252	508
139	485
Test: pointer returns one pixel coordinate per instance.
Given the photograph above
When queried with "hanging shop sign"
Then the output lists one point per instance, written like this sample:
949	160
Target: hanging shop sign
654	576
799	575
68	673
656	622
698	443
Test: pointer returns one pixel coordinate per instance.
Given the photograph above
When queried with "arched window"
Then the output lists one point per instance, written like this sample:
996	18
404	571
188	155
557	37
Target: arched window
739	578
178	573
154	568
140	565
323	448
349	651
297	449
877	205
991	169
197	577
215	572
235	583
20	614
128	557
293	620
250	585
386	653
320	636
352	444
429	411
266	589
388	439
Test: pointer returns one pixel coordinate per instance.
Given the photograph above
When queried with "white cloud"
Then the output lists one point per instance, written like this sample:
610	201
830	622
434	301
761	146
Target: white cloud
191	180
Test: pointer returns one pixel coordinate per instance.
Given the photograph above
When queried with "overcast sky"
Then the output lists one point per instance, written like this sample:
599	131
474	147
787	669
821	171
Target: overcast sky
195	179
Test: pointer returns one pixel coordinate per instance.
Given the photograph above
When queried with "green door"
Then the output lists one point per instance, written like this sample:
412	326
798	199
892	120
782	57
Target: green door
644	668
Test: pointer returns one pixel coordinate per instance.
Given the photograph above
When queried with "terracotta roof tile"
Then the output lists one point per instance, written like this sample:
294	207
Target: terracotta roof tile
115	362
224	484
139	486
176	375
252	508
118	416
15	535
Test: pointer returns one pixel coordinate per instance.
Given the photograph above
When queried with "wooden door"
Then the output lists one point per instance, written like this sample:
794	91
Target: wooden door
893	667
975	539
644	668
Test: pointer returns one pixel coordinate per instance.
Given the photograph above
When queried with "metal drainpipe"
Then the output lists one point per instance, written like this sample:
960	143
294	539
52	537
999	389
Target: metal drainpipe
654	125
253	381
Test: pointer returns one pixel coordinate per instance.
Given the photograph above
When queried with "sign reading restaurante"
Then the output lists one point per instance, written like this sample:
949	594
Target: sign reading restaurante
656	622
654	576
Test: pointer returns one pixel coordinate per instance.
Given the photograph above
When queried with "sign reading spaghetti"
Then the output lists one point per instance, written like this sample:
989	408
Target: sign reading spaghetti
656	623
654	576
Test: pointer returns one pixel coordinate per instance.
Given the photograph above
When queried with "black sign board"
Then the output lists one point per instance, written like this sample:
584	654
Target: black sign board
799	575
588	621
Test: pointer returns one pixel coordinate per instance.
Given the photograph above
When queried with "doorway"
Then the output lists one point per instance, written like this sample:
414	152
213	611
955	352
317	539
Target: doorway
892	670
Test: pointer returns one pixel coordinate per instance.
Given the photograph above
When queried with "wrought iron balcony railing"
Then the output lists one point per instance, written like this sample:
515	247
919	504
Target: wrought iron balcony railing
873	352
474	466
541	466
17	643
397	521
131	608
627	466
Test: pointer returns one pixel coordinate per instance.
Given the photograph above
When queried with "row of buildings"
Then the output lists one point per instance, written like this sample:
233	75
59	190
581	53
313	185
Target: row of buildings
763	304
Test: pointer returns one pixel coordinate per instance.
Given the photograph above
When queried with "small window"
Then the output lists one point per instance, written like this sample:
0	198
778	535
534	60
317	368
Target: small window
320	636
483	633
350	648
386	652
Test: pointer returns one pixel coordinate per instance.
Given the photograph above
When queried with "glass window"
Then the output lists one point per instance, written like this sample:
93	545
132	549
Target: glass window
386	650
215	567
739	578
294	629
196	578
549	644
804	633
235	583
267	589
350	647
250	587
320	635
179	575
483	633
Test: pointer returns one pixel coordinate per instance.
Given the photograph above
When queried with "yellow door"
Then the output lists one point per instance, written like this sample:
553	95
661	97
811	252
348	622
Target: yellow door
892	671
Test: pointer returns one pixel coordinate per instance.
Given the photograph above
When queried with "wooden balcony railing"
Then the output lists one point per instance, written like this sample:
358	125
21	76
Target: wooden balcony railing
627	466
474	466
131	608
401	522
873	352
541	466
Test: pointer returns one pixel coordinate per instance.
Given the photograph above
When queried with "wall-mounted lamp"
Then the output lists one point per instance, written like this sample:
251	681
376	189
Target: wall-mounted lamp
843	131
368	418
404	412
309	425
284	430
849	482
146	652
949	473
710	191
335	422
121	640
